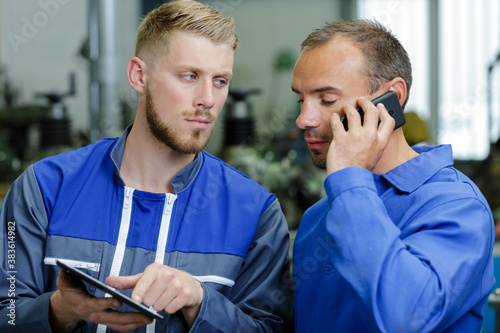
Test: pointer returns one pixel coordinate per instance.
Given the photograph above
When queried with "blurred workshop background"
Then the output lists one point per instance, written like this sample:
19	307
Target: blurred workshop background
63	84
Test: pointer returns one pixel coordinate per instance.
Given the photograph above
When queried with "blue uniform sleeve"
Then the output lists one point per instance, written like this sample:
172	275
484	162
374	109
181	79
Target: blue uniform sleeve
414	277
260	298
23	303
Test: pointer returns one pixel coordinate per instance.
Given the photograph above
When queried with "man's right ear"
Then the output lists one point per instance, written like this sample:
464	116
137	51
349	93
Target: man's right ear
136	73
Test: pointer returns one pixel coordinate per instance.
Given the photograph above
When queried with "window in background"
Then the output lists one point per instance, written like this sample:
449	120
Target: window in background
469	40
409	22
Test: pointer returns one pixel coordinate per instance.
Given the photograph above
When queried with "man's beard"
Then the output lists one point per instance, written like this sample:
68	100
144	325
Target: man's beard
319	161
318	158
167	135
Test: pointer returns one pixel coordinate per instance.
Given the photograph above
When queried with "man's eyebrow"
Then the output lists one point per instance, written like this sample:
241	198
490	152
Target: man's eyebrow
226	74
327	89
320	89
199	70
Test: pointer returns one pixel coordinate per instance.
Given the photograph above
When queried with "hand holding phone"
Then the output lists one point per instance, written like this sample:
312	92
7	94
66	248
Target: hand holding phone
391	103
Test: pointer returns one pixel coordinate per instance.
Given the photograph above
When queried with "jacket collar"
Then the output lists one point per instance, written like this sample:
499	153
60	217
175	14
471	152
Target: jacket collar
409	176
180	182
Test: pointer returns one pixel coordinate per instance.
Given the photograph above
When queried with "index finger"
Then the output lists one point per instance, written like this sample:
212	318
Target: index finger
144	283
336	123
123	282
371	116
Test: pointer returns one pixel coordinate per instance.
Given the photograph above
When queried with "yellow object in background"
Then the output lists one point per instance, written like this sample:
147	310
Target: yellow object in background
415	129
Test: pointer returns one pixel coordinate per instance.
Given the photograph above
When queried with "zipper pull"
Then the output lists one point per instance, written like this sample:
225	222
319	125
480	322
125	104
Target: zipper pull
128	195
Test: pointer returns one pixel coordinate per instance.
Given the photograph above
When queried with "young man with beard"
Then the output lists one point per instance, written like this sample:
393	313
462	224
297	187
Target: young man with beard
151	213
403	241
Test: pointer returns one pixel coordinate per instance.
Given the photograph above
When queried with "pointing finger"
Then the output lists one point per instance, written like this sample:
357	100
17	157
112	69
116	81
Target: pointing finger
123	282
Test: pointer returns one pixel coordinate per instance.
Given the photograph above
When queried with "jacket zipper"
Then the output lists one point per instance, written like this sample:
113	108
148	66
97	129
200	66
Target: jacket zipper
165	226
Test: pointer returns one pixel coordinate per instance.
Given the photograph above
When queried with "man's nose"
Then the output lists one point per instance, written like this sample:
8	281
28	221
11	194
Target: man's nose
205	95
308	117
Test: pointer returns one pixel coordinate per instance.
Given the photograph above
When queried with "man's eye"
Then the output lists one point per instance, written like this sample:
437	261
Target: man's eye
327	102
220	82
189	77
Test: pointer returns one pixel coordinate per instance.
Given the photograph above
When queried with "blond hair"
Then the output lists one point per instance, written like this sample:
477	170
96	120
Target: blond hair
186	15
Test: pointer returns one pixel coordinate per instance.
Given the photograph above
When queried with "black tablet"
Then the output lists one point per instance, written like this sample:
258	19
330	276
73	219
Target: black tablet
150	312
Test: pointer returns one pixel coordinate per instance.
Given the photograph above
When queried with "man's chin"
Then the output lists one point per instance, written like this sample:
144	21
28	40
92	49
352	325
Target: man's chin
188	149
319	161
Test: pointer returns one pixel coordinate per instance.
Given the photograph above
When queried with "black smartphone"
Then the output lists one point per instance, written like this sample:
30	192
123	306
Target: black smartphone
391	103
150	312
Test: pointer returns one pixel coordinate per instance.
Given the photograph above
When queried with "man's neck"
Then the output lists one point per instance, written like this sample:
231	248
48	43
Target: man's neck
149	165
396	153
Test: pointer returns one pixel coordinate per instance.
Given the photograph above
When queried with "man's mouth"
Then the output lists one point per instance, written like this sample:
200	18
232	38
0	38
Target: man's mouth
199	122
315	143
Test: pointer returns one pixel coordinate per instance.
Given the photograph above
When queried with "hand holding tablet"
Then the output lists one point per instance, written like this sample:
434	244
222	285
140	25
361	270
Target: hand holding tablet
151	313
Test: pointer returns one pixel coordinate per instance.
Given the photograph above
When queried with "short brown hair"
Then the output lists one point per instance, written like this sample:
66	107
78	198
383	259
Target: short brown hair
186	15
385	56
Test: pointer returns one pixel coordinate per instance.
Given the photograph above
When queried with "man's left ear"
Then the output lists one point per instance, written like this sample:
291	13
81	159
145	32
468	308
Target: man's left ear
398	85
